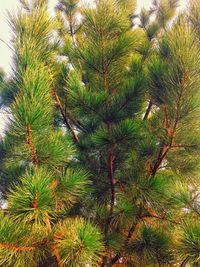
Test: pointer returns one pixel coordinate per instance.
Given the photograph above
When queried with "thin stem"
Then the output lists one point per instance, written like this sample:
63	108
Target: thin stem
31	147
109	126
110	157
193	208
183	146
57	255
66	120
7	45
160	218
183	264
130	233
112	189
72	34
72	31
171	131
16	248
148	110
35	200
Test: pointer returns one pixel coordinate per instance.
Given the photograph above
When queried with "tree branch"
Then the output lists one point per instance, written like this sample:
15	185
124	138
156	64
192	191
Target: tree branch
66	120
130	233
148	110
109	126
160	218
183	146
57	255
112	188
171	131
16	248
35	200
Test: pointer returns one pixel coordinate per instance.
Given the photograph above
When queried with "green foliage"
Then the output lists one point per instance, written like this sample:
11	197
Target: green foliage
73	185
152	244
194	15
165	10
28	108
79	243
188	246
124	213
17	245
32	201
37	153
100	161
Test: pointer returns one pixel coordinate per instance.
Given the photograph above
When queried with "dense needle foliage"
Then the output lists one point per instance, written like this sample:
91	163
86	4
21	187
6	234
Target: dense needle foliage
100	160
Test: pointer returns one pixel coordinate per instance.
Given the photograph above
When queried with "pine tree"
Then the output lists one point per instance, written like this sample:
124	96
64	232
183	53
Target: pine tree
100	161
43	185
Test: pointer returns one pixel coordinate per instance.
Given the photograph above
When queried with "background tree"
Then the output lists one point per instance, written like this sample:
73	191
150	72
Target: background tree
140	188
120	183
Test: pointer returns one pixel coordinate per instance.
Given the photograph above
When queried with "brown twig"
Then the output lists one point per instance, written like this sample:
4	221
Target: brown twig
31	147
148	110
171	131
131	231
16	248
35	200
66	120
57	255
109	126
112	189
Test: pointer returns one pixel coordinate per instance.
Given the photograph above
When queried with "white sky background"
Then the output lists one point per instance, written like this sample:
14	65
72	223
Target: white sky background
5	34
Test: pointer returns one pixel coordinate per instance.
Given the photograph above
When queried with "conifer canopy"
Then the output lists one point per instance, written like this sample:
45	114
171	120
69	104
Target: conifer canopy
100	159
